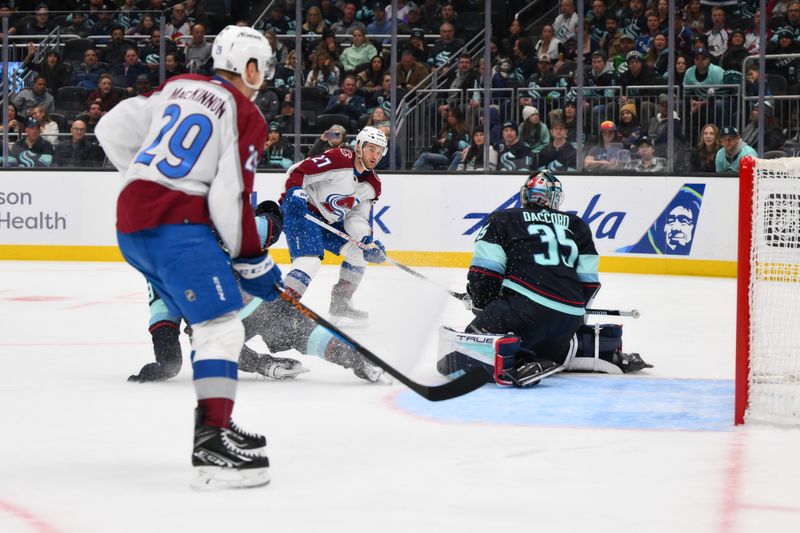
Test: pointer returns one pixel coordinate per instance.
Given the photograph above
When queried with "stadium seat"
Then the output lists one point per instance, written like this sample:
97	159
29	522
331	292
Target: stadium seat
324	122
777	84
71	100
775	154
313	99
61	122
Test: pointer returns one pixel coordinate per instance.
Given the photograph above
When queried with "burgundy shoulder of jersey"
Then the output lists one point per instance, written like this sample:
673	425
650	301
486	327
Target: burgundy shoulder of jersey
372	178
341	157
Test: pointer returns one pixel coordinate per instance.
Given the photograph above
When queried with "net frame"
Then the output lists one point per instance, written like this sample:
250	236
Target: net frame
768	292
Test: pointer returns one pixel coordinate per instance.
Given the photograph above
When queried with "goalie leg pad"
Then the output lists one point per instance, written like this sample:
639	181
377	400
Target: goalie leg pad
606	354
460	351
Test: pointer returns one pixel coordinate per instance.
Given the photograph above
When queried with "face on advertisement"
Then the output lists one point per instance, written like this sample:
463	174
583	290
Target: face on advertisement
679	229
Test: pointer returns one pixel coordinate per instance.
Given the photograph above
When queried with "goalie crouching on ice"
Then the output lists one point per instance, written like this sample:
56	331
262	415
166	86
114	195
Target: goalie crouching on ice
532	275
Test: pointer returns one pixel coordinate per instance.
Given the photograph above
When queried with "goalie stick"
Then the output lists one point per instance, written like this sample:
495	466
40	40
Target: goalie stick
471	380
461	296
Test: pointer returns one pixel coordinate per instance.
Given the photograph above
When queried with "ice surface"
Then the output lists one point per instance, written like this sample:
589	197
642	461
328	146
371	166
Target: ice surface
83	451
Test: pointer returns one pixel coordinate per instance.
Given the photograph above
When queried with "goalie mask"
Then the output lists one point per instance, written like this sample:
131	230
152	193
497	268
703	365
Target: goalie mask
541	189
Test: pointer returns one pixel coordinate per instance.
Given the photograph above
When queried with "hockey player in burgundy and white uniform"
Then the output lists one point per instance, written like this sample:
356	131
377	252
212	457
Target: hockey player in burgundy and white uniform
188	153
338	187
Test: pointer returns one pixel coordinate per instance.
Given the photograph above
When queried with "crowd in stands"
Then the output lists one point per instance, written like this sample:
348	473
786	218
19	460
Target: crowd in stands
345	61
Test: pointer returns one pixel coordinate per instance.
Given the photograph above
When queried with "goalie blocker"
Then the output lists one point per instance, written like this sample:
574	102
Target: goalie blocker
594	348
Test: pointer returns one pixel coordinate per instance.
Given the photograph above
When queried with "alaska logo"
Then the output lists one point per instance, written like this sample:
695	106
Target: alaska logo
608	223
339	204
673	231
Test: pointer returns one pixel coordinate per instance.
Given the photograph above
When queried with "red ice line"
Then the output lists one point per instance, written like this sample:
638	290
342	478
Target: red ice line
37	524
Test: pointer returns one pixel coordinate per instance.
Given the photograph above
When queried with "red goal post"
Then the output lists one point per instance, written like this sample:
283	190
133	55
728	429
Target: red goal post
768	292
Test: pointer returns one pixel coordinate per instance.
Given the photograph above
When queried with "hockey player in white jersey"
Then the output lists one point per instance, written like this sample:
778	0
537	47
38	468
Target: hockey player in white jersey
339	187
188	153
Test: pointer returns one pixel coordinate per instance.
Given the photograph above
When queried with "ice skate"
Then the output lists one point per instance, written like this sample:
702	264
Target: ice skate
374	374
219	464
343	313
246	440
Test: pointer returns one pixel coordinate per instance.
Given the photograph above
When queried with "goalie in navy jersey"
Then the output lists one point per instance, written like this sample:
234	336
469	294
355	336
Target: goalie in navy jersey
339	187
532	274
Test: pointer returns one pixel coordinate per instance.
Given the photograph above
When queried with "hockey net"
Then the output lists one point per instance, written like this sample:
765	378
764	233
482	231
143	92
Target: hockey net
768	294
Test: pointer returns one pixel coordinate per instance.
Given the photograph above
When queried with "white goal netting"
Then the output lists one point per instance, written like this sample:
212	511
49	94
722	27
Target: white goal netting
774	295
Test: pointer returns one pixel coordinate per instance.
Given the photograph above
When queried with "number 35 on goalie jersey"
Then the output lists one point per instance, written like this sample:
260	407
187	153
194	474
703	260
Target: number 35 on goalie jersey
545	255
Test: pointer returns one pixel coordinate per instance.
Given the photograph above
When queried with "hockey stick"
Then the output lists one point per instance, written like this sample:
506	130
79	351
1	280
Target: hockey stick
461	296
363	246
471	380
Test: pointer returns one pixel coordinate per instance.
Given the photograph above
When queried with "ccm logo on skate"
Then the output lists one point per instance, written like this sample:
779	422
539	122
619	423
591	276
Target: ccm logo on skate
339	204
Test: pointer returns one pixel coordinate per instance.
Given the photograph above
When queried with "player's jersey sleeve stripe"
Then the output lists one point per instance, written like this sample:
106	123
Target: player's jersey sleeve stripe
489	256
587	268
542	300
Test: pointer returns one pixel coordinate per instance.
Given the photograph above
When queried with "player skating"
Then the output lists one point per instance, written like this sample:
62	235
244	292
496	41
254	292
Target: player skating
532	275
188	154
339	187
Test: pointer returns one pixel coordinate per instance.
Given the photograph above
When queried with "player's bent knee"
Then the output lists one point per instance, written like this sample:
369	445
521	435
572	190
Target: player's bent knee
219	338
353	255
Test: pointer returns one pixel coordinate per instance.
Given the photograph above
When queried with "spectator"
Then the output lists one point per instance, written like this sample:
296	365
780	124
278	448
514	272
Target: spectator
385	161
533	132
788	67
383	95
16	124
548	44
718	35
734	56
413	21
371	79
658	128
348	102
145	27
77	151
513	155
620	60
773	135
359	52
172	67
31	151
178	25
128	14
198	50
700	99
638	75
460	79
278	153
87	74
334	137
39	25
284	75
732	151
645	39
445	48
684	36
560	154
525	61
430	10
124	74
633	20
278	22
314	25
78	24
150	49
694	17
601	75
410	72
48	128
286	117
514	33
791	20
448	15
52	69
646	161
278	49
471	157
752	36
105	94
114	52
143	85
348	23
657	57
610	41
630	129
377	116
380	24
103	24
91	117
329	45
566	23
453	137
681	66
597	19
703	157
330	13
416	45
603	156
35	95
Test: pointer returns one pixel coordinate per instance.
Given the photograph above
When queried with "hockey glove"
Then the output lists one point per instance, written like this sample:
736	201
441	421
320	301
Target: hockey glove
295	203
375	252
259	276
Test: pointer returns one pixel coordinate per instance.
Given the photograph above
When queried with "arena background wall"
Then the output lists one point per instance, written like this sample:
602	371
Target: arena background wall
423	219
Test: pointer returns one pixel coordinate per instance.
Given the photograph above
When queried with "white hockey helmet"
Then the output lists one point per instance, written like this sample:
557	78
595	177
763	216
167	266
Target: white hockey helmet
371	135
235	46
